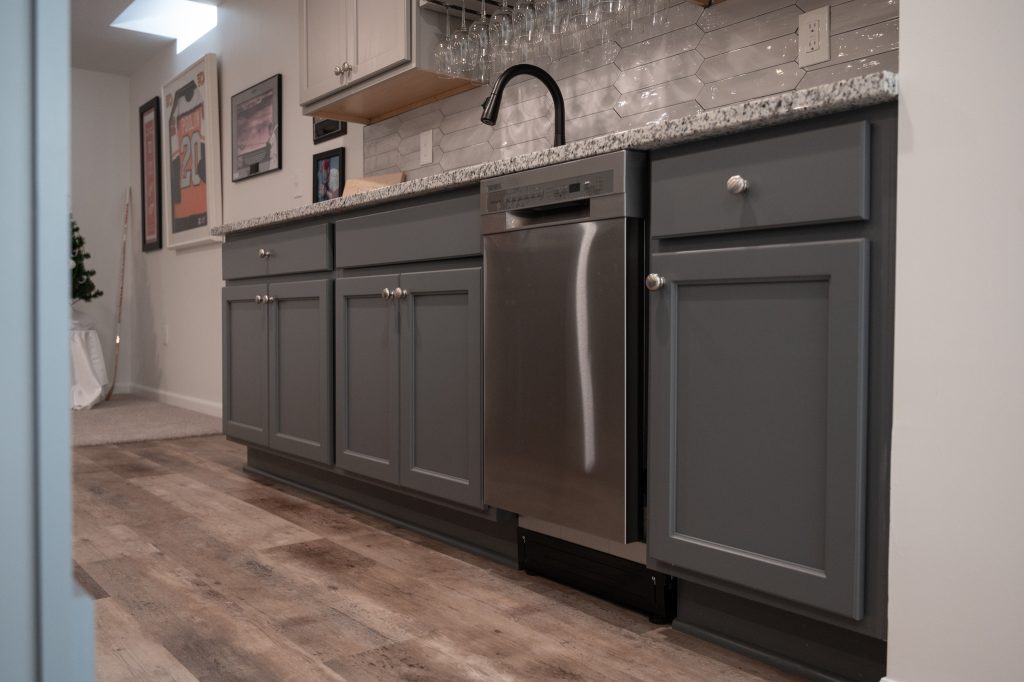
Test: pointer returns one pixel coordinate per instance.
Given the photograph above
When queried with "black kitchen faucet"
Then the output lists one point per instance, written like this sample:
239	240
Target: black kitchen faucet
493	101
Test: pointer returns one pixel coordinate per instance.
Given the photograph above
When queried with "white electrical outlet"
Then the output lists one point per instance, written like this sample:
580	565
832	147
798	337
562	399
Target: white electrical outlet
426	147
813	37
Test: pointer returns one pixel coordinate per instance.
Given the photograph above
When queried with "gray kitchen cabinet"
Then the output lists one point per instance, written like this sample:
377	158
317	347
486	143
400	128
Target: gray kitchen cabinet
277	366
757	419
441	384
300	361
366	383
245	362
408	381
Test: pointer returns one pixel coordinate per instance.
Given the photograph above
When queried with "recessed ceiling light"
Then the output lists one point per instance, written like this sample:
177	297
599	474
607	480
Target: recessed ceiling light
184	20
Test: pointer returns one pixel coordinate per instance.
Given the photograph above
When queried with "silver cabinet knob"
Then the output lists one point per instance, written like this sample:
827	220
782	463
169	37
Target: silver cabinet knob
401	293
387	294
338	71
264	253
268	299
737	184
653	282
346	68
259	299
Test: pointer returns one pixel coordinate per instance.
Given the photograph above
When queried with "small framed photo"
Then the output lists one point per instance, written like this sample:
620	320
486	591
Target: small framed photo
256	130
149	143
328	174
191	163
326	128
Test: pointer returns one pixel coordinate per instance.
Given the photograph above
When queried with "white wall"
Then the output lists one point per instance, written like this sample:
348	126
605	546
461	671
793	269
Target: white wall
956	599
99	176
176	307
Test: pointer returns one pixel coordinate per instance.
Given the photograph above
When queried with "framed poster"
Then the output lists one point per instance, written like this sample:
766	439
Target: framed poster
328	174
326	128
256	130
191	165
149	144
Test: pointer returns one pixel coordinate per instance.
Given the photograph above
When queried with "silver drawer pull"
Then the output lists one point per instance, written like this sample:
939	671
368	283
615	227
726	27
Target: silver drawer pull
654	281
268	299
264	253
259	299
387	294
401	293
737	184
338	71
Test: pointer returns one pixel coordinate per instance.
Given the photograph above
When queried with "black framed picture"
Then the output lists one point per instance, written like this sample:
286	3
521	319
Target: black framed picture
328	174
149	144
256	130
326	128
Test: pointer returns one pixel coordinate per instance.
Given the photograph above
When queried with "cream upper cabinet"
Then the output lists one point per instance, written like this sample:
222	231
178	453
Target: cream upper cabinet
324	47
382	36
343	42
367	60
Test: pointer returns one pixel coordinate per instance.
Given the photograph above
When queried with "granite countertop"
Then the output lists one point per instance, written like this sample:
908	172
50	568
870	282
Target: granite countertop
832	98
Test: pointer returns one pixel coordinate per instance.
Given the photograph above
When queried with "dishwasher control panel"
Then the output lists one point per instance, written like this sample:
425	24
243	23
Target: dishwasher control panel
501	198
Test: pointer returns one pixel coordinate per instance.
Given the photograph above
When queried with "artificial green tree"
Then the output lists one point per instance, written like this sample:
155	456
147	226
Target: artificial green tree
82	286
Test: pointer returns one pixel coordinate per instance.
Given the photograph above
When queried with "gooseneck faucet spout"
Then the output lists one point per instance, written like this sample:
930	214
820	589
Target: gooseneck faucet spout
493	101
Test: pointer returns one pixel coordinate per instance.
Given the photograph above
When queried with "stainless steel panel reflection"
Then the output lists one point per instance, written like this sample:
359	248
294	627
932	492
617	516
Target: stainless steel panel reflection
554	374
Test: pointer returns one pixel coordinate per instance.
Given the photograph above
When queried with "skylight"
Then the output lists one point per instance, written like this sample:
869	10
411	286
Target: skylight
184	20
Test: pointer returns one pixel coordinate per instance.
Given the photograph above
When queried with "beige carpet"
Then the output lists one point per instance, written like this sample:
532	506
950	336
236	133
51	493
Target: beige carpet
128	418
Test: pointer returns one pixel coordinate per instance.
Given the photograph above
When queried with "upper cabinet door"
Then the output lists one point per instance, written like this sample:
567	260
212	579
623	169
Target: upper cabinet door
301	358
245	362
441	340
757	419
366	371
323	47
381	33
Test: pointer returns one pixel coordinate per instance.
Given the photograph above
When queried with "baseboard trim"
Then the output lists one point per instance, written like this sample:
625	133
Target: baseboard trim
207	407
398	521
784	664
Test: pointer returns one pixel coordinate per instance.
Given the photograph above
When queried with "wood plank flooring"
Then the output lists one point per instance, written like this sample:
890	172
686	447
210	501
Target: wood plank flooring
201	572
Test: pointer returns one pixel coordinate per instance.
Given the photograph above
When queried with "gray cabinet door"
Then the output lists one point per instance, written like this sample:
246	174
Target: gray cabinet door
757	419
366	370
245	362
301	359
441	337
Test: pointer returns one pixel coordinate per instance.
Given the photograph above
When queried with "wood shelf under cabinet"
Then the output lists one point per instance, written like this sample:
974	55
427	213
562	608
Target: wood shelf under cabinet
401	92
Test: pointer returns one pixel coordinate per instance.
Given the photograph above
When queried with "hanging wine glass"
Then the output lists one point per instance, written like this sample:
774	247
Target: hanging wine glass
464	52
480	38
503	38
528	37
549	16
607	19
642	15
443	51
578	16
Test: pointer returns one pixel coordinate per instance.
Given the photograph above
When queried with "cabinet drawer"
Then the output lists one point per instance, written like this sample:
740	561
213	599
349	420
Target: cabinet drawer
429	228
813	176
292	250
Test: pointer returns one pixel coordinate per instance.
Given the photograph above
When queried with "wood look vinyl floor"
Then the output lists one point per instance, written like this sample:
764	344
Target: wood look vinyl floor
201	572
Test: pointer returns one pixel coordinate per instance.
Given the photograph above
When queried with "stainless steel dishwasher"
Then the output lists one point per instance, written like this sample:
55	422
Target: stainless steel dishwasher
563	331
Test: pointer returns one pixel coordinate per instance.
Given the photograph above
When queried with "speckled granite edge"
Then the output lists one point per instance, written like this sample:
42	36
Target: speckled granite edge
844	95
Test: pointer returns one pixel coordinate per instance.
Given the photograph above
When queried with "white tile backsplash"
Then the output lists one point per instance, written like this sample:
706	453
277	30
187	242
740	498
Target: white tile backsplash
687	59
